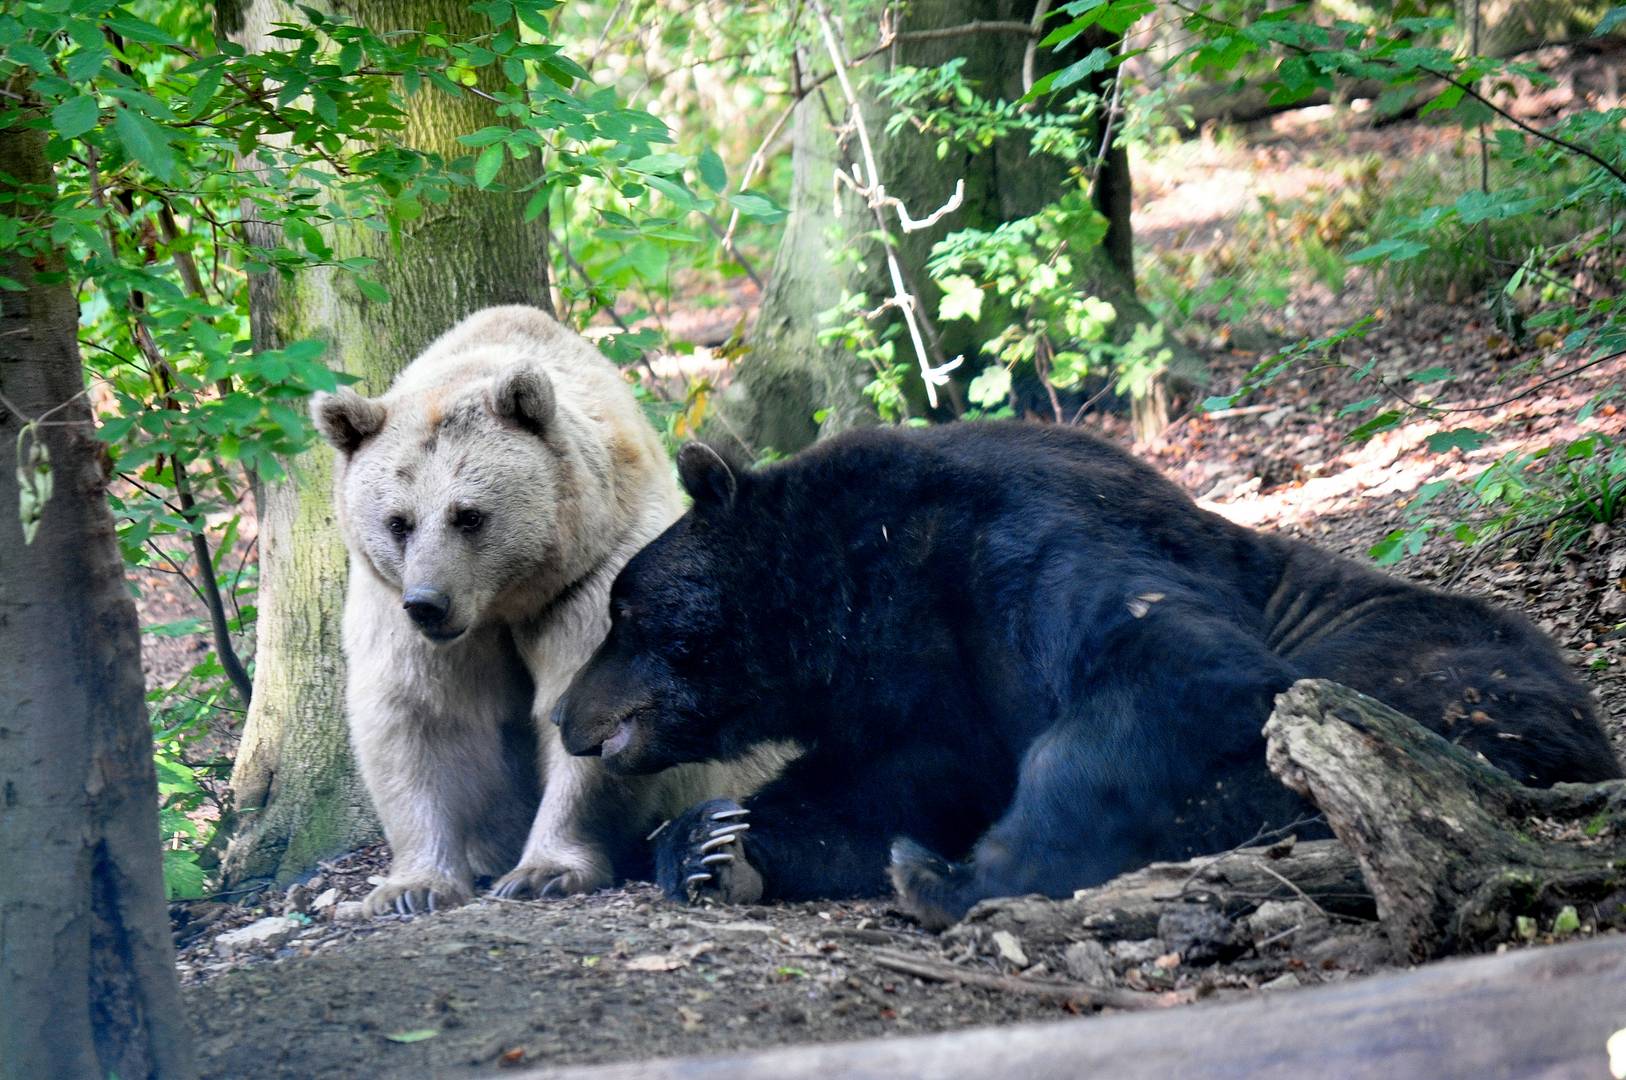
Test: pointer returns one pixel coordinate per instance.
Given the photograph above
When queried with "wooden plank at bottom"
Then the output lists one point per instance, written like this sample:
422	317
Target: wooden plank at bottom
1544	1012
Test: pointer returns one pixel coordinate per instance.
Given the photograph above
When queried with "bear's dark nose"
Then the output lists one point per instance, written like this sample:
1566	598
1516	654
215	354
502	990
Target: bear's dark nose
428	607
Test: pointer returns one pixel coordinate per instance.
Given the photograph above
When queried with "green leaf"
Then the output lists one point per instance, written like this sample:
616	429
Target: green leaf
1380	422
991	387
1448	99
757	206
1611	19
1394	249
415	1035
184	879
1215	404
1428	375
712	173
373	291
75	116
486	166
537	203
962	299
1566	922
659	164
145	141
133	29
1457	439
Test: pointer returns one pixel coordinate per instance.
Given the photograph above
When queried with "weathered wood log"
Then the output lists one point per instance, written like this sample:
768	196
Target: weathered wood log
1129	908
1454	851
1531	1012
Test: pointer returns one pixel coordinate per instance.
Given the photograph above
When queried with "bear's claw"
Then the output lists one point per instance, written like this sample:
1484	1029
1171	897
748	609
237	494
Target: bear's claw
702	856
563	874
416	897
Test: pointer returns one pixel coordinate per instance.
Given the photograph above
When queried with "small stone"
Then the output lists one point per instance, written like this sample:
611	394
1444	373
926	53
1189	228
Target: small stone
267	933
1199	933
326	900
1280	922
297	898
1010	948
1089	962
348	911
1137	952
1281	982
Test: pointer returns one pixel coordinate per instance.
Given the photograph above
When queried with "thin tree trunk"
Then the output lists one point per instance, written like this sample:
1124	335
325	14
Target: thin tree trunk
87	976
294	769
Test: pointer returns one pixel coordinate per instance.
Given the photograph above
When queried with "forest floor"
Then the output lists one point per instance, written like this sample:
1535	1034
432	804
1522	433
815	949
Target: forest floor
623	975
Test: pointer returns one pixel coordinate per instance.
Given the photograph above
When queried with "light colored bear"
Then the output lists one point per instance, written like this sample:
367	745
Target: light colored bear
488	500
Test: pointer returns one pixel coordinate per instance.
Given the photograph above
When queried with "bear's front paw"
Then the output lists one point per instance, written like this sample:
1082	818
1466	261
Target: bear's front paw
415	893
562	874
701	856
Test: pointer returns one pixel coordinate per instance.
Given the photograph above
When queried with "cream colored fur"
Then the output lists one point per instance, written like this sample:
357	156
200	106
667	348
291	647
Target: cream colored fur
572	481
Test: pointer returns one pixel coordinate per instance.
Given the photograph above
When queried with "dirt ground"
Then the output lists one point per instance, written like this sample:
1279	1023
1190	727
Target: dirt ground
623	975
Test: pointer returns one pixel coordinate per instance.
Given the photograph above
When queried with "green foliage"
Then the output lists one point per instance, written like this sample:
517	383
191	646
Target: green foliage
1545	501
1018	281
192	773
1435	234
1531	223
184	164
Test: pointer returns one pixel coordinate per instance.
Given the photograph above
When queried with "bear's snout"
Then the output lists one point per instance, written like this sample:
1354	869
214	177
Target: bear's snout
429	608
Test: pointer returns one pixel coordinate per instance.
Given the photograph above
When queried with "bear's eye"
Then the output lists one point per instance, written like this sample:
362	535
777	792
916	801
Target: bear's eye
398	526
469	520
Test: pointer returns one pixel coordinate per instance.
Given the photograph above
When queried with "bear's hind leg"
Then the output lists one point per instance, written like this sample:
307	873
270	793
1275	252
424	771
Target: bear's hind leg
1163	758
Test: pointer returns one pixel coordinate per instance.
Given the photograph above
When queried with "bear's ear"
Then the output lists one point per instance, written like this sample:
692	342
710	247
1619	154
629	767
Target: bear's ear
346	419
709	477
524	396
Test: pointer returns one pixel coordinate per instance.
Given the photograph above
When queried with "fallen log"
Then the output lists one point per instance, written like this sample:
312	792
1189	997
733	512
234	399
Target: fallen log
1459	856
1134	906
1533	1012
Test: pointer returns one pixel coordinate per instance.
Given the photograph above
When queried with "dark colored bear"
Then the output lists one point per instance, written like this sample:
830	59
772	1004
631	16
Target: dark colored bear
1018	646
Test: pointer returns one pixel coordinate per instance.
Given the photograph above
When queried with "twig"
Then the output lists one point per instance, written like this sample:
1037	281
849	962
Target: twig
1258	838
1545	136
1030	54
1526	392
905	301
727	241
1077	993
208	588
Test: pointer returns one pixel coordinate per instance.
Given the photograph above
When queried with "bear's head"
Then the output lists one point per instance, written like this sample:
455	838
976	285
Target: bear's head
689	668
465	495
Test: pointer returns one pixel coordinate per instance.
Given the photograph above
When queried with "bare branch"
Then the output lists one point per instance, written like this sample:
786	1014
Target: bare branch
875	195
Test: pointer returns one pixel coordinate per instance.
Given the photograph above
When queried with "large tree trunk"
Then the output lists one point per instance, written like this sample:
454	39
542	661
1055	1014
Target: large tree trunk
87	976
294	769
788	376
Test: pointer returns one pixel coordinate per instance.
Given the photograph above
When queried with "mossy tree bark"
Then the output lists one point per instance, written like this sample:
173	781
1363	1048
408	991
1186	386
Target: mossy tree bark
829	248
298	795
1454	850
87	965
